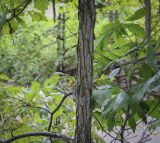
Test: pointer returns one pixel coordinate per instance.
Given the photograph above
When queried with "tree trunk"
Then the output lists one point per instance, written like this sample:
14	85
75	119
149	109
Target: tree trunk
147	4
85	70
159	7
116	15
59	47
111	16
54	10
63	42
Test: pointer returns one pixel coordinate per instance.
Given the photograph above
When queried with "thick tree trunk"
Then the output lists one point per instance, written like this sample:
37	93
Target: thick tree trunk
147	4
85	70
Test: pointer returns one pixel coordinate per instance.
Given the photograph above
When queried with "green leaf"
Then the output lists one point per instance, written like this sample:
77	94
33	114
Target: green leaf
142	114
38	16
5	28
35	87
52	81
138	95
4	77
101	119
132	123
152	58
14	25
155	108
20	20
41	5
135	29
2	19
103	95
138	14
116	104
144	106
111	122
146	72
105	36
103	80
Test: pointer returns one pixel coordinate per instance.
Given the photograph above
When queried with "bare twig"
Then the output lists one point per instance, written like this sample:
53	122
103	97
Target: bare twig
124	124
55	110
29	105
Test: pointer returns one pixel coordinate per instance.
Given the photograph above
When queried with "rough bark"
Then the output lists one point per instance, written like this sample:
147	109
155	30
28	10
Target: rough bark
85	70
147	4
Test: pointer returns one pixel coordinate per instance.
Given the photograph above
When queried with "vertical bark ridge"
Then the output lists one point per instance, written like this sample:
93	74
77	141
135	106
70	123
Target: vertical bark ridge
85	70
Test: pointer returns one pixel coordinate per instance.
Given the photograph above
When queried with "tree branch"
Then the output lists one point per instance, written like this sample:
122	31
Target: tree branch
28	104
55	110
34	134
17	14
124	124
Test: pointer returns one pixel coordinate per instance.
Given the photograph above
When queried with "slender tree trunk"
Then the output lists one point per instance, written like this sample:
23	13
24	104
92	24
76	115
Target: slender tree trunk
54	10
85	70
59	43
61	50
63	41
111	18
159	7
116	15
111	14
147	4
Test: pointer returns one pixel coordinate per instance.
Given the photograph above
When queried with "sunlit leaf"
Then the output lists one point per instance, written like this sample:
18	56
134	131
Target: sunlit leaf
135	29
113	73
138	14
41	5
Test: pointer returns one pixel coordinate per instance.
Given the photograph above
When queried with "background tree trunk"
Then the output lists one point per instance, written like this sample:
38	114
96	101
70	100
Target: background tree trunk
59	56
113	15
85	70
63	42
147	4
61	49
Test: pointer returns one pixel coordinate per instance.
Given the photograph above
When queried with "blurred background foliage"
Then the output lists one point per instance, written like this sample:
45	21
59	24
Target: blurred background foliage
126	68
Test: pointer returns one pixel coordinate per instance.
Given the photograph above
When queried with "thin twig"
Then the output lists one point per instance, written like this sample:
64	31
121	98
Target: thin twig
55	110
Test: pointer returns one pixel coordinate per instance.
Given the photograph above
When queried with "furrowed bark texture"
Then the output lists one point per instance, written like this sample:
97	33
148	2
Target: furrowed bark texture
147	4
85	70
